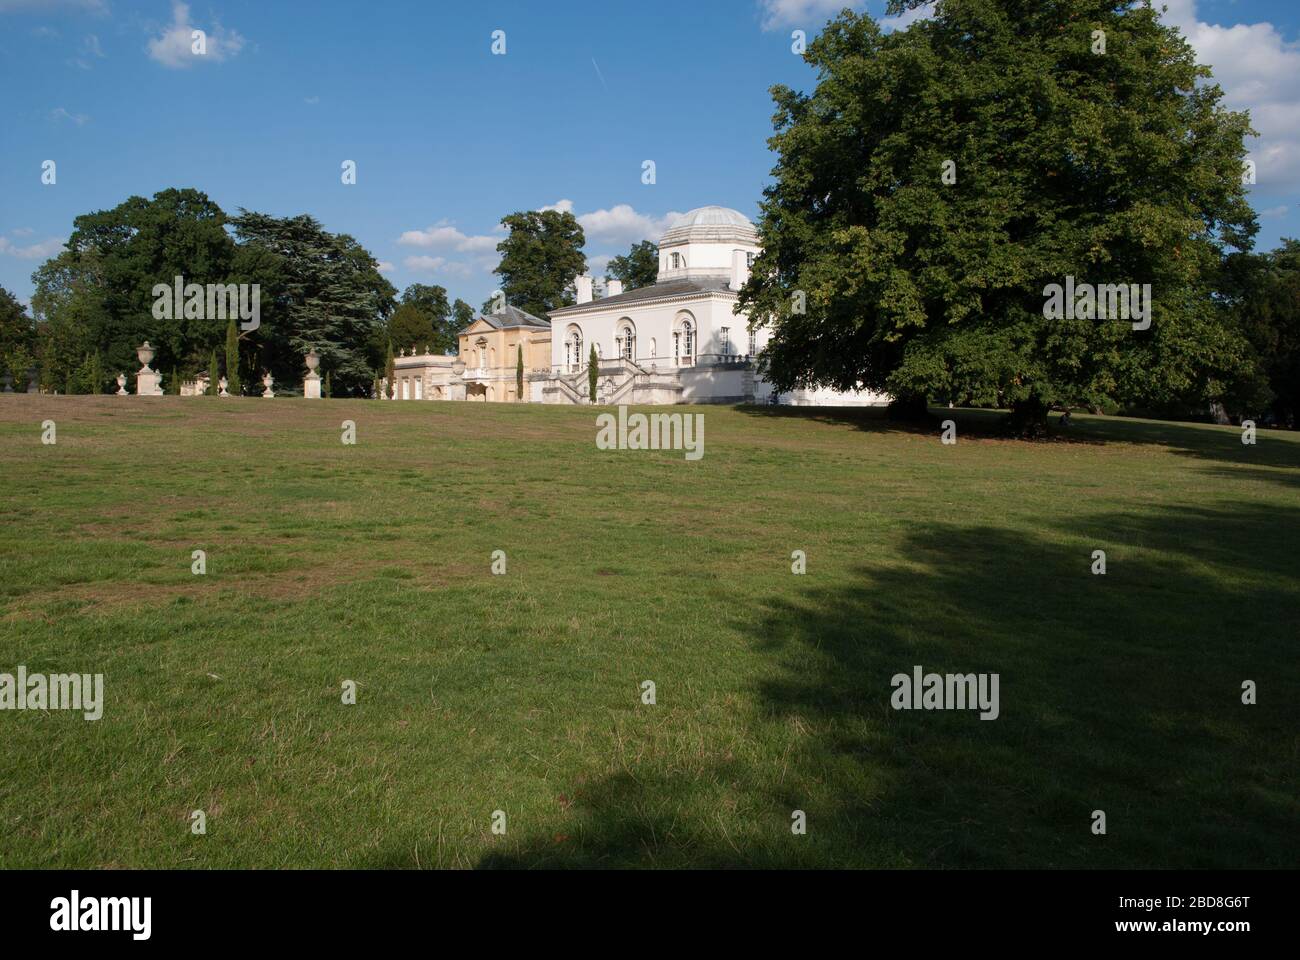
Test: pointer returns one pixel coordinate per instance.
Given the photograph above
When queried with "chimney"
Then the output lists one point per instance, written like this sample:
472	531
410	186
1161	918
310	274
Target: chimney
583	286
739	268
613	288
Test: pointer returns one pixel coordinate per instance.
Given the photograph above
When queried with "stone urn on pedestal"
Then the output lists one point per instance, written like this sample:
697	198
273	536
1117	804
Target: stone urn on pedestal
267	381
32	385
223	383
8	381
148	383
121	385
311	382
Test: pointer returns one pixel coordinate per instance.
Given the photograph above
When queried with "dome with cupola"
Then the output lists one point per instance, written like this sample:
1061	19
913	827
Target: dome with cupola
706	242
710	224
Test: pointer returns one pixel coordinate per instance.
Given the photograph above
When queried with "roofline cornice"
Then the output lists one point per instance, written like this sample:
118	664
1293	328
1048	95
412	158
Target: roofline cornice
581	309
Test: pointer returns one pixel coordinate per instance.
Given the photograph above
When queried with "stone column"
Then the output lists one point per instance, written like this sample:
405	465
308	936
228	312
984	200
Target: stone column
148	383
311	382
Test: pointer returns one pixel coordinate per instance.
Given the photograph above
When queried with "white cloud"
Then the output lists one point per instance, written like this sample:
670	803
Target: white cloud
445	236
810	15
1259	71
311	100
1274	211
22	231
385	267
36	251
59	113
424	263
174	46
622	224
596	266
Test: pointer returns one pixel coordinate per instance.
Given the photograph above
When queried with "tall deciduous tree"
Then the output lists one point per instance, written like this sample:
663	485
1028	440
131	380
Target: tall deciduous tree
17	338
422	318
639	268
939	178
540	258
1269	313
318	289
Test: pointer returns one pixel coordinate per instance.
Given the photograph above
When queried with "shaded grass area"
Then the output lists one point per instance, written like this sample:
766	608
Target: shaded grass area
521	692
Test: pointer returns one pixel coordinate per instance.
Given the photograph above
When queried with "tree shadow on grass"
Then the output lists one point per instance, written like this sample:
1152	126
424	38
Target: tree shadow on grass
1196	441
1119	693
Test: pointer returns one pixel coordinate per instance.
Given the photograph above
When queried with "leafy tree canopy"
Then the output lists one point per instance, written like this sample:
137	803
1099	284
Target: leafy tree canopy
318	289
1119	167
540	258
639	268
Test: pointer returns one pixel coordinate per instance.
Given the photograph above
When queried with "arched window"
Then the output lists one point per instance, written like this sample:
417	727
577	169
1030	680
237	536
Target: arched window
626	340
676	261
684	339
573	348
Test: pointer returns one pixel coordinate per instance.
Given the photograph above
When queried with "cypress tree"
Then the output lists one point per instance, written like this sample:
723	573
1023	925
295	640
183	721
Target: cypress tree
390	372
212	375
519	373
329	389
592	361
233	386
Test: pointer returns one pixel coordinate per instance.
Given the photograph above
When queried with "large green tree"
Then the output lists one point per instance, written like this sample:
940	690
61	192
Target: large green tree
128	250
318	289
17	339
1269	313
939	178
72	317
423	317
638	268
539	259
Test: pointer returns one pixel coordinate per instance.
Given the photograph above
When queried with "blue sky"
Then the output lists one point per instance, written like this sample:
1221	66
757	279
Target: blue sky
448	137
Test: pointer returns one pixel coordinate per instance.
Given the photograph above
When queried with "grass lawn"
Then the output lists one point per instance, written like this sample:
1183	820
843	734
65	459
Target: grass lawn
521	692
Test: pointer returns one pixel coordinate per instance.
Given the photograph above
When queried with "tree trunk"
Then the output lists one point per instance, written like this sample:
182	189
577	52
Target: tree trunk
1029	418
908	409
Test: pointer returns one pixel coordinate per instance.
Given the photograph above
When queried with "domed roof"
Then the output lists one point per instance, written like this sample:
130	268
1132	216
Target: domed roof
711	224
712	216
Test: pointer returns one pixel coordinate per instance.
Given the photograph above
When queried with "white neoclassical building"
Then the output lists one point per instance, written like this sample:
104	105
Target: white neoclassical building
679	340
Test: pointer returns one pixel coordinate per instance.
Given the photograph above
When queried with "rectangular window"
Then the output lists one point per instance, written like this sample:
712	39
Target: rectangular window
726	341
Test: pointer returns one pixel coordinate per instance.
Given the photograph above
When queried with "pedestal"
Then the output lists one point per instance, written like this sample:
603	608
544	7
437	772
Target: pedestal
148	384
311	386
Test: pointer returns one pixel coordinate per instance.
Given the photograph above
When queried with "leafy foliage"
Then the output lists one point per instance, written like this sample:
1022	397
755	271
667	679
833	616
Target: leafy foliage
540	258
1112	168
638	268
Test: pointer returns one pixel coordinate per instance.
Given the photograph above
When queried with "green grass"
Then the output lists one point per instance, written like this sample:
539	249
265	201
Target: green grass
522	692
